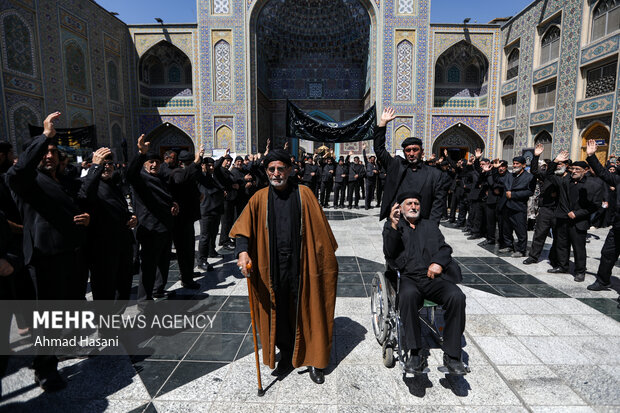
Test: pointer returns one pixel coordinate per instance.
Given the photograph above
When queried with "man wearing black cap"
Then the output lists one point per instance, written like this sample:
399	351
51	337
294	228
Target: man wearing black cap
184	190
409	173
579	197
495	191
357	171
54	233
341	179
415	247
372	173
211	209
611	248
518	188
327	180
284	241
311	173
156	209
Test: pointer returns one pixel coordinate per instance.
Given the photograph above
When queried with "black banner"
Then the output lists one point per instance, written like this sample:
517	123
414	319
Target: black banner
300	125
84	137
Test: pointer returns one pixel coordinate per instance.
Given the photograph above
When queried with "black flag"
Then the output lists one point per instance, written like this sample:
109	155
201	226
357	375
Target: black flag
84	137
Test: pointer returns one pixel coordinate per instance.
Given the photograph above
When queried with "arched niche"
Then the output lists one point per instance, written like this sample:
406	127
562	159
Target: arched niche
400	134
460	141
168	136
223	138
546	140
600	133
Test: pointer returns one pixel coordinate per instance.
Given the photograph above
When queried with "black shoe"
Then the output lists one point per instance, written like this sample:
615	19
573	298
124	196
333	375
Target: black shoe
474	236
518	254
192	285
316	375
284	367
580	277
206	266
454	366
597	286
416	364
349	207
164	294
215	254
557	270
488	242
366	208
50	382
505	249
530	260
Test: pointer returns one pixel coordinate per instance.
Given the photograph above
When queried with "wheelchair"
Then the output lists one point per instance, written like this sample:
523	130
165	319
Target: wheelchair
386	322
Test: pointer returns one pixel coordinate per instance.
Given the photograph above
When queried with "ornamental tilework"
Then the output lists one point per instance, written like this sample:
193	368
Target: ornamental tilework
615	136
600	49
524	27
404	71
222	71
595	105
405	6
545	73
185	123
506	124
510	86
17	44
544	116
478	124
221	6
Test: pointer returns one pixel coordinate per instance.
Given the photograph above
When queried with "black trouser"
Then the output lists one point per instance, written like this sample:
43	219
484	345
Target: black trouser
228	219
111	267
285	305
326	190
454	204
208	232
568	235
463	209
154	262
57	277
476	212
353	189
609	255
380	185
514	221
545	220
339	193
413	291
371	183
491	218
184	238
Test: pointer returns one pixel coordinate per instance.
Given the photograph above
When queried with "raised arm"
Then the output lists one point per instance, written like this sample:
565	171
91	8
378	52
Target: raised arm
379	137
600	171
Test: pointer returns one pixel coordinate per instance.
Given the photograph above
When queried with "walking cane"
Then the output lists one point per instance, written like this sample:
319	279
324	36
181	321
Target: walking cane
261	392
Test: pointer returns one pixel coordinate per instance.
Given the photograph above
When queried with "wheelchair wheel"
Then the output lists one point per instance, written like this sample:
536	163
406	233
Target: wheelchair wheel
388	356
379	308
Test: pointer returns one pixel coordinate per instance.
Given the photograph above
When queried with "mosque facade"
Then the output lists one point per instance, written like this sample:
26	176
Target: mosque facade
546	75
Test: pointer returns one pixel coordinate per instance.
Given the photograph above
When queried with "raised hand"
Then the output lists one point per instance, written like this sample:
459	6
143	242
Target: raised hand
387	116
48	124
350	153
486	167
591	147
100	154
539	149
395	215
286	145
562	157
445	153
364	145
478	153
143	146
227	152
496	163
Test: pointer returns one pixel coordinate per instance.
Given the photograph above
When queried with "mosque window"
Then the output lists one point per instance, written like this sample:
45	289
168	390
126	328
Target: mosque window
512	69
454	75
545	139
508	147
510	106
545	96
605	18
404	71
174	74
550	45
472	74
601	80
113	85
222	71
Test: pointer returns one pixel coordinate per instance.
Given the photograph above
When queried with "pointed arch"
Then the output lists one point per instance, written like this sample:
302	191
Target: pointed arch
404	71
223	137
402	133
75	66
544	138
461	136
20	116
600	132
113	83
155	65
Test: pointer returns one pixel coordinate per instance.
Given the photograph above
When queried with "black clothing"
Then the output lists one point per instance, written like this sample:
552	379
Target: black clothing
513	210
341	180
428	181
165	171
211	209
372	176
547	203
354	184
327	182
110	241
412	251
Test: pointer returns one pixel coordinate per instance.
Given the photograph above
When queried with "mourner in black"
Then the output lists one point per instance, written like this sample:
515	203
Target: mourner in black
415	247
110	239
477	195
547	204
518	188
155	209
495	190
579	197
54	232
170	163
327	181
467	182
311	174
409	173
611	247
341	179
231	190
184	190
372	174
380	182
211	209
357	171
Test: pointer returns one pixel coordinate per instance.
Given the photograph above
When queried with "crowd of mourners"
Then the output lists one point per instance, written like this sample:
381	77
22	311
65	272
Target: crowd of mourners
63	224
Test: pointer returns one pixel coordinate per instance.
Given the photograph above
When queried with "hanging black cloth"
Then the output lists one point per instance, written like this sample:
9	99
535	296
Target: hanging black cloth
300	125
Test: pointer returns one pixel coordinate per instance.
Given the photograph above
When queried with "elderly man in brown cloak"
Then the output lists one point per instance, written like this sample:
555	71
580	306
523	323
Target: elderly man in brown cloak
284	237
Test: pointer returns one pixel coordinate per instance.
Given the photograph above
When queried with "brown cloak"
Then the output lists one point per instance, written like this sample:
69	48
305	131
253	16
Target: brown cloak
318	276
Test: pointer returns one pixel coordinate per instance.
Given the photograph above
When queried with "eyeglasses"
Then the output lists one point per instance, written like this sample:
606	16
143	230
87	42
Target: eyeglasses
272	169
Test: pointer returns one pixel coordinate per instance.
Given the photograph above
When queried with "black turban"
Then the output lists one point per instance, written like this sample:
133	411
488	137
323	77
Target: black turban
186	156
153	156
412	141
519	159
408	194
277	155
208	159
581	164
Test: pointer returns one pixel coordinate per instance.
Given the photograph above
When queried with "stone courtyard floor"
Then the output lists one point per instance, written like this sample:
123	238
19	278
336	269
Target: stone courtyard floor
534	342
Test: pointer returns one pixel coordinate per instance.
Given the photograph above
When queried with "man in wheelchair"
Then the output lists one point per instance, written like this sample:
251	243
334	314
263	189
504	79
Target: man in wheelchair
416	247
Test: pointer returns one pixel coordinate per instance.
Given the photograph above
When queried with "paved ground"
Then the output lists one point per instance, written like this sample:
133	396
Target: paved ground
534	342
